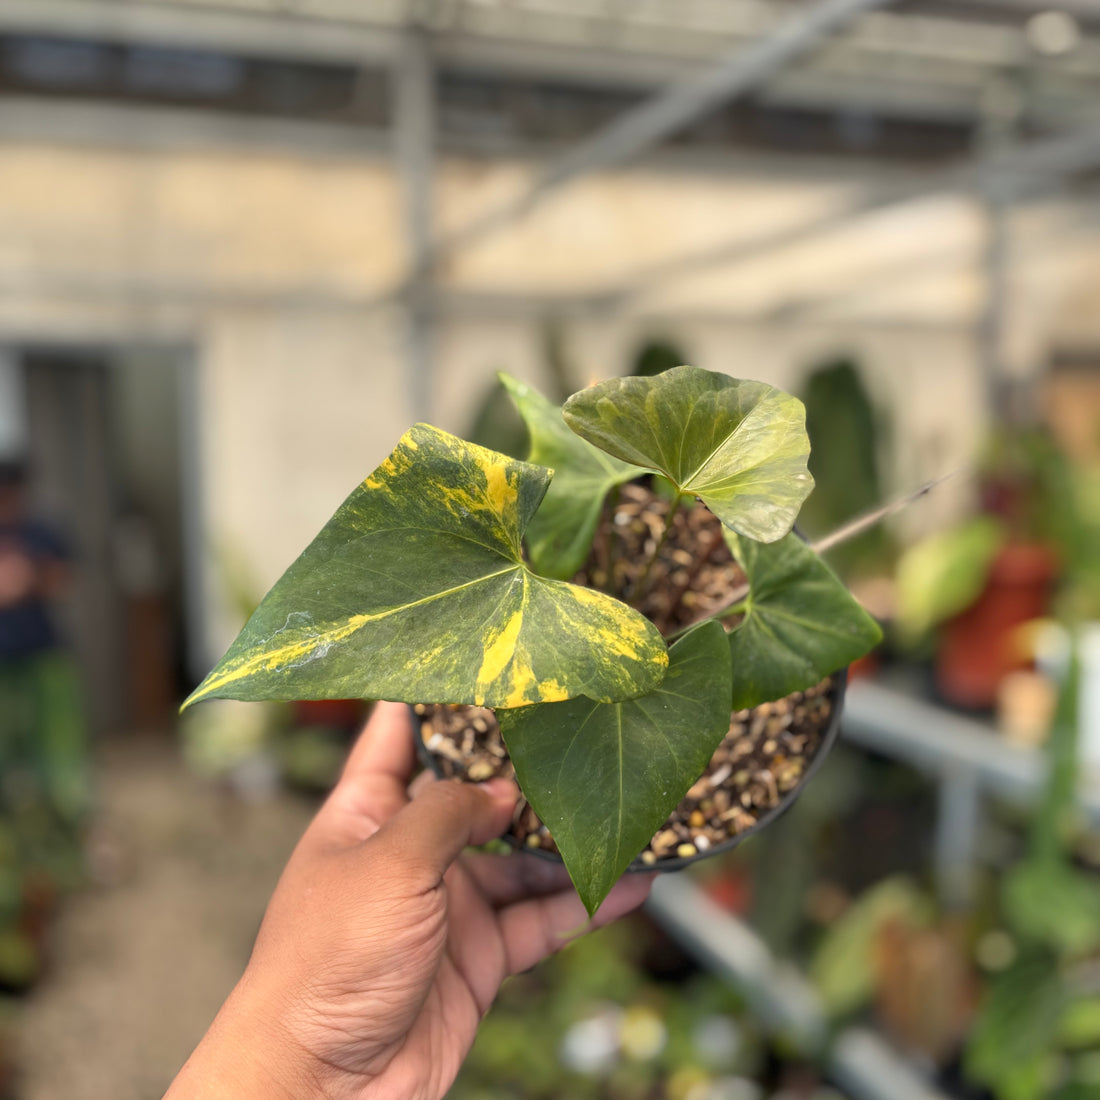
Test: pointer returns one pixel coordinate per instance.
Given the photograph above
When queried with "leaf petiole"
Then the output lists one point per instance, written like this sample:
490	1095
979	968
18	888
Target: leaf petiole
612	541
822	546
739	605
700	560
642	583
740	608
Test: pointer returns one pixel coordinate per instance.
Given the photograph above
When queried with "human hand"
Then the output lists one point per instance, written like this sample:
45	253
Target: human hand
384	945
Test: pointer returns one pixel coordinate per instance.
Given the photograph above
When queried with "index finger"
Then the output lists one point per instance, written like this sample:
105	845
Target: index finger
373	785
536	927
384	748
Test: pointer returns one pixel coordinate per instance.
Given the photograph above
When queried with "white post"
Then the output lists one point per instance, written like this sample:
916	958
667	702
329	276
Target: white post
13	406
414	141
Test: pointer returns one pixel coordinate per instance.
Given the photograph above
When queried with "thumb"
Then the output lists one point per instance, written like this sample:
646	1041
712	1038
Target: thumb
429	833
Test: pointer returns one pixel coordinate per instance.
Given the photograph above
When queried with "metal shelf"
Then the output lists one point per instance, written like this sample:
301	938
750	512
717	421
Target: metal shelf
781	1000
943	743
970	762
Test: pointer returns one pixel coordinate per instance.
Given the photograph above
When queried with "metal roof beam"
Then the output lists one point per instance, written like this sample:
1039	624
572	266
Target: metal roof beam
102	123
908	64
252	33
1084	9
668	111
522	306
1007	174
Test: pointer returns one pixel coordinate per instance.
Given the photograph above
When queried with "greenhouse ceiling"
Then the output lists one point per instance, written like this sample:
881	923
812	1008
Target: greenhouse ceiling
858	107
929	60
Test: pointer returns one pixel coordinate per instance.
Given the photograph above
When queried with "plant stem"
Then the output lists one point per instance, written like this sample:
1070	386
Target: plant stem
700	560
642	583
612	540
868	520
842	534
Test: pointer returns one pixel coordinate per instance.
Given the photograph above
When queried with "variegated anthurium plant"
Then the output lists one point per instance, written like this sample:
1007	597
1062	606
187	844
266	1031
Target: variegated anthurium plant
444	578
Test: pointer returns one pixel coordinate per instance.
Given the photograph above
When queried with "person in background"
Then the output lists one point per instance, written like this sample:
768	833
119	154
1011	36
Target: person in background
45	791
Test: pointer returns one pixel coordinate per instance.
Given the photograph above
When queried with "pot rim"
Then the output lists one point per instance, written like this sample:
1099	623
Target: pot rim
678	863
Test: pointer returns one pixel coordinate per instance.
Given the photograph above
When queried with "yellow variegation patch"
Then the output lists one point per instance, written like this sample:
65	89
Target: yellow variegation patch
416	590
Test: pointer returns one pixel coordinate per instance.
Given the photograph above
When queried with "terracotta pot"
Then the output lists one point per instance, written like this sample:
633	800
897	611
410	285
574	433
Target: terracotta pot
979	647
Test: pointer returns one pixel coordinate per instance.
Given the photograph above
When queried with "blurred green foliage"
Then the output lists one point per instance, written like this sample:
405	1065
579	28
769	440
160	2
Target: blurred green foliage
655	357
1030	492
1027	1039
843	968
942	575
590	1024
496	423
45	799
848	436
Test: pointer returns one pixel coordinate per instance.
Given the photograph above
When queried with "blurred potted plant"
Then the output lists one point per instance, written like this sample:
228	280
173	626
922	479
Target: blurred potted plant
848	438
1038	1028
594	1023
443	579
890	950
978	583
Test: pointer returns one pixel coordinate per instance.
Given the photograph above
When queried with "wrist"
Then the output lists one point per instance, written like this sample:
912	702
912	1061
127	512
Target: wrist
247	1055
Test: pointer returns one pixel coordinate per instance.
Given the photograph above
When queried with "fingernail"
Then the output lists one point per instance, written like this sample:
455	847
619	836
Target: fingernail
500	788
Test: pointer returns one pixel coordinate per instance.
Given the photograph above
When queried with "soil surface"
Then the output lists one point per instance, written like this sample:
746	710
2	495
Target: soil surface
766	752
693	576
761	760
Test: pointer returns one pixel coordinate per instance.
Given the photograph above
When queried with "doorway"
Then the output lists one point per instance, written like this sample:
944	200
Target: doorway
102	436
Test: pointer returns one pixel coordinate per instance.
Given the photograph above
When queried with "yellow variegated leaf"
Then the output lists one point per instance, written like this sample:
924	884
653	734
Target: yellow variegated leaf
416	590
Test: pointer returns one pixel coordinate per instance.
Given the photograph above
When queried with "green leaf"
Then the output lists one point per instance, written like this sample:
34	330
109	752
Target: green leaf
416	590
740	446
800	622
944	574
1053	904
1080	1026
844	969
1054	815
1016	1032
1087	1086
604	777
560	534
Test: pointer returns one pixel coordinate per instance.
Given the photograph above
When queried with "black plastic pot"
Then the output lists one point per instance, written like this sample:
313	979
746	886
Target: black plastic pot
677	863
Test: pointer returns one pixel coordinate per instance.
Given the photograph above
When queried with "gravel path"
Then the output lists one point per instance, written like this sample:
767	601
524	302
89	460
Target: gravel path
141	965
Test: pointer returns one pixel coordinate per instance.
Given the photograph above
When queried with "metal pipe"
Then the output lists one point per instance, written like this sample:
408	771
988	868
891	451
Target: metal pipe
669	110
784	1003
1014	171
940	742
414	139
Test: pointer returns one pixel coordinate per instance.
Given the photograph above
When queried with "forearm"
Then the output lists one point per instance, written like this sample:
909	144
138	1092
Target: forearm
247	1055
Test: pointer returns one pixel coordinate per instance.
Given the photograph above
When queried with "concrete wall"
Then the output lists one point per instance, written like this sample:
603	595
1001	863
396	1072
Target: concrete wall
266	265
